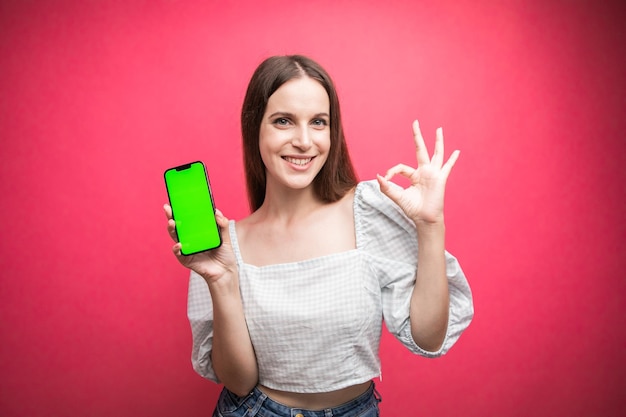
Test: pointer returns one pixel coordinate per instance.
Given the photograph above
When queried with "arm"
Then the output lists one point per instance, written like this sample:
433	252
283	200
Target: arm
232	354
422	202
430	301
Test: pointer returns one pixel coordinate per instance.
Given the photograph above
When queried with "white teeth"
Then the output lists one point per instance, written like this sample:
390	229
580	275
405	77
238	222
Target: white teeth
298	161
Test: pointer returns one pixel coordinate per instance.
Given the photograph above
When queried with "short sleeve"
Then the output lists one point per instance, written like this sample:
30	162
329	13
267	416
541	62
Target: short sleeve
389	238
200	314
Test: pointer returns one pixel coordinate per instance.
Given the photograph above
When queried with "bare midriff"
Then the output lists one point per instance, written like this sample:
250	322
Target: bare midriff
318	400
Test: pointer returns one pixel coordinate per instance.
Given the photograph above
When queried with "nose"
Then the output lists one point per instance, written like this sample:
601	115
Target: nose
302	138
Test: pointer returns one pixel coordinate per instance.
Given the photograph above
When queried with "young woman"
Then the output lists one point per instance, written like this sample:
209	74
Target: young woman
288	312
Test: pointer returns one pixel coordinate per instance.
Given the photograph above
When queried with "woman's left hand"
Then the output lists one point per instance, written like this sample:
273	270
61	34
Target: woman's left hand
422	201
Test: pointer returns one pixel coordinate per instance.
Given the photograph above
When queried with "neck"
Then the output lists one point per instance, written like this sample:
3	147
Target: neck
288	205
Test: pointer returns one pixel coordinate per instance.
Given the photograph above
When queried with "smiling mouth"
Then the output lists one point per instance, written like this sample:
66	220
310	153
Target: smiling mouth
297	161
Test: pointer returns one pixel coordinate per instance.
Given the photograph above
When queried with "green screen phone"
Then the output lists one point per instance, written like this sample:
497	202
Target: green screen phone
192	208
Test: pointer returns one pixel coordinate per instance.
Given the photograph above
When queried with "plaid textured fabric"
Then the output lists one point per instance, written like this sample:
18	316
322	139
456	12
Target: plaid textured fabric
316	324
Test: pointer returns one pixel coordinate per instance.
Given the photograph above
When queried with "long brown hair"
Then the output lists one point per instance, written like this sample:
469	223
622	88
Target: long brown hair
337	176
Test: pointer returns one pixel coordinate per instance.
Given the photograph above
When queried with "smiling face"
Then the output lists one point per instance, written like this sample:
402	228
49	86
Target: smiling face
337	175
294	137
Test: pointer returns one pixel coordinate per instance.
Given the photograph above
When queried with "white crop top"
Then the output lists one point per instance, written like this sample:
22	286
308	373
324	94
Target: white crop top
316	324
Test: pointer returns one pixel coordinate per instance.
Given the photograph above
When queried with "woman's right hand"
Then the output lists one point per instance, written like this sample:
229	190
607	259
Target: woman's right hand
232	354
211	265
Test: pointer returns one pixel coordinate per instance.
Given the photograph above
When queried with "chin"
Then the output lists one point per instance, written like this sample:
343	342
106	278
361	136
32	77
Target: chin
298	183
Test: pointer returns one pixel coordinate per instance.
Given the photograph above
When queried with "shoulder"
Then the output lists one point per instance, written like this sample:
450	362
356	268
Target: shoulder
249	223
366	189
381	226
369	199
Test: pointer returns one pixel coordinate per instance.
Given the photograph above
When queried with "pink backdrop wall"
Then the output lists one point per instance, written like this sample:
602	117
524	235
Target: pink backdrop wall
98	98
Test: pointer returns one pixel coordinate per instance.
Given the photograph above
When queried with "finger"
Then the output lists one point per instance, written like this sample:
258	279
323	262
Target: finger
388	188
168	211
437	159
447	167
171	229
176	249
400	169
420	147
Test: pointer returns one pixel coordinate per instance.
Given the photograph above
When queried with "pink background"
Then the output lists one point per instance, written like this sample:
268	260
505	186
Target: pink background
97	99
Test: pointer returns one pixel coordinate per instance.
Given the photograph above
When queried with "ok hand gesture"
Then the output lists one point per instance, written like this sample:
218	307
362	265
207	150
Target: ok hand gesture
422	201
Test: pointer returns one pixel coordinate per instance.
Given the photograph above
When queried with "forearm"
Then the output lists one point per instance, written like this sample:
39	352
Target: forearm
430	300
232	356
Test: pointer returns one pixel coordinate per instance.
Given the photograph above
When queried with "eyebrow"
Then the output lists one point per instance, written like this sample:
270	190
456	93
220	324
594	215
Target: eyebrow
287	114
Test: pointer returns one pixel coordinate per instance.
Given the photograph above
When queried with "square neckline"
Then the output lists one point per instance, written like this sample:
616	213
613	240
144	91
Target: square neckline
234	241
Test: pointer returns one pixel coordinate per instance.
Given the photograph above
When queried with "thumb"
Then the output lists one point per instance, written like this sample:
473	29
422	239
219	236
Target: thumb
223	224
222	221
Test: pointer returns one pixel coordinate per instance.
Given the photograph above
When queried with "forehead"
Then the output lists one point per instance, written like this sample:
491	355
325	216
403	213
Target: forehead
299	94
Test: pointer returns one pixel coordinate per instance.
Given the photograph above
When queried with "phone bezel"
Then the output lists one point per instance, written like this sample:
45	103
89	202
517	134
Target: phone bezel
210	191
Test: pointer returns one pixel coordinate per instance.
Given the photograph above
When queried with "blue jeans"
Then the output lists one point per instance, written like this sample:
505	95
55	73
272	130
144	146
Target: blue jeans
257	404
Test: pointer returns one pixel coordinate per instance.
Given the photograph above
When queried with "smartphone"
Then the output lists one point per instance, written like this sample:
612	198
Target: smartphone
193	211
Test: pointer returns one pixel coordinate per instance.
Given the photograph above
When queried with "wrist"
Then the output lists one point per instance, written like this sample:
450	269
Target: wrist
226	283
431	237
430	228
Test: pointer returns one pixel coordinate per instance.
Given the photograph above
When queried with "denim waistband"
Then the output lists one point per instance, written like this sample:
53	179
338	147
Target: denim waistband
258	403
